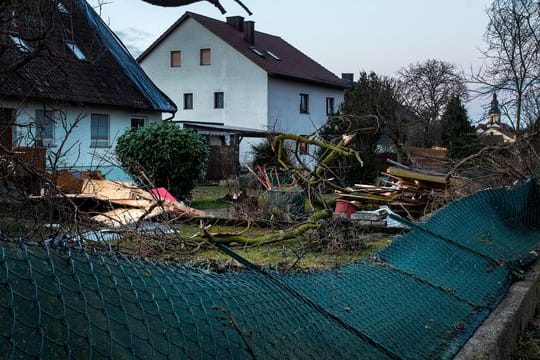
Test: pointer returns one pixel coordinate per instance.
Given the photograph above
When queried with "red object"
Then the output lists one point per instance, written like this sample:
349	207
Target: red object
163	194
345	207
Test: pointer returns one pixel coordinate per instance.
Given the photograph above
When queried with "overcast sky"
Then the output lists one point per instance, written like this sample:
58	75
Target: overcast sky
342	35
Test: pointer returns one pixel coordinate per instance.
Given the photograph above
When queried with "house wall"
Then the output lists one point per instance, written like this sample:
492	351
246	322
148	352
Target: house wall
76	149
284	105
243	83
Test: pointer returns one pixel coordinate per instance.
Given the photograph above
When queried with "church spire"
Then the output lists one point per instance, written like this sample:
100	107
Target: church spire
494	115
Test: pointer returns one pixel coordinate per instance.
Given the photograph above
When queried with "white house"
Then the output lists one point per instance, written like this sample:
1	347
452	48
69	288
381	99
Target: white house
226	73
75	90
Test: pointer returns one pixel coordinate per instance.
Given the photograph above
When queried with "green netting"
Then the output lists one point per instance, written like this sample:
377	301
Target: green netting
421	298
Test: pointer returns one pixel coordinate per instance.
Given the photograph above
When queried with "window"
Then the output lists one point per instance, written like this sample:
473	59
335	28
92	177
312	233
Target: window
304	103
205	57
176	58
45	127
188	101
256	51
77	52
273	55
329	106
61	7
137	122
21	44
303	148
219	100
100	130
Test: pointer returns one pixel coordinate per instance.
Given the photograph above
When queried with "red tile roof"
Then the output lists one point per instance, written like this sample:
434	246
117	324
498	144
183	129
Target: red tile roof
292	62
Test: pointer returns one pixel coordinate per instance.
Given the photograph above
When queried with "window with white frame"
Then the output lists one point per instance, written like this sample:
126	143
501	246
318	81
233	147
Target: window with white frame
137	122
99	133
44	122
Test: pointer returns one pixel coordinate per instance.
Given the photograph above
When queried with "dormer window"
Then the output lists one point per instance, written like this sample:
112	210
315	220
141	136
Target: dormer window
77	52
272	55
256	51
61	7
21	44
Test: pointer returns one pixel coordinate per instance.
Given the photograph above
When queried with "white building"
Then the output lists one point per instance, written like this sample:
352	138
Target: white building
77	91
226	73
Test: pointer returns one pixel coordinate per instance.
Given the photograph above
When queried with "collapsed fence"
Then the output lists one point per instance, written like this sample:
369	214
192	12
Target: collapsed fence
422	297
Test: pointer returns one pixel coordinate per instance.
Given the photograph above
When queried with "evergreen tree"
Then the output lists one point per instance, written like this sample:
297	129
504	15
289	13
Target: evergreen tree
458	134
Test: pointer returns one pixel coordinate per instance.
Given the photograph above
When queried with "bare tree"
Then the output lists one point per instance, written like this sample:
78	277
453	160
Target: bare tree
512	60
427	87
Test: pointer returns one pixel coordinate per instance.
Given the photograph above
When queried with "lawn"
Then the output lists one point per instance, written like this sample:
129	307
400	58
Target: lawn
209	197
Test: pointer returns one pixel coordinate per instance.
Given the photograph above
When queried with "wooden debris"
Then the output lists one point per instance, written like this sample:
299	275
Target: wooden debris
404	189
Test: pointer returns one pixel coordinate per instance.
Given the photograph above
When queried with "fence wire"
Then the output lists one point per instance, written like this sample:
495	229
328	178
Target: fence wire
422	297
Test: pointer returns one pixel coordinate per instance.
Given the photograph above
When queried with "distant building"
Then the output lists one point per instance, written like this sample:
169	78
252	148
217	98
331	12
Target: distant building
493	131
229	74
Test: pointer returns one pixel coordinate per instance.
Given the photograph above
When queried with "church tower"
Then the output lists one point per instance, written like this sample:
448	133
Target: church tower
494	115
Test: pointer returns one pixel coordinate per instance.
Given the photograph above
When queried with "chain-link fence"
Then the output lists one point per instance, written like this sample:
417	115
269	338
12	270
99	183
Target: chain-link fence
421	298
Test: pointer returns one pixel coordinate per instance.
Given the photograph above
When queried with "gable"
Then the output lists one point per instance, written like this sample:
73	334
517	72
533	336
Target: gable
271	53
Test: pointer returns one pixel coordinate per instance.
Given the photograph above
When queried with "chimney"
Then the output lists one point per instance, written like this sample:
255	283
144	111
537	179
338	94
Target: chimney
249	32
236	22
348	78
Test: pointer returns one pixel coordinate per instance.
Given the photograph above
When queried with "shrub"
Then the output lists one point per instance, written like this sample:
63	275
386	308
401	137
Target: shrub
171	157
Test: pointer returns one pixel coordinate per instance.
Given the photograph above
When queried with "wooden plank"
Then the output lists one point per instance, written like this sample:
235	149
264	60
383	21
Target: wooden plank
123	217
409	174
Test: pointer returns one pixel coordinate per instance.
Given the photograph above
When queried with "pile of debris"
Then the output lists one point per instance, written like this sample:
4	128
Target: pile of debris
124	203
412	191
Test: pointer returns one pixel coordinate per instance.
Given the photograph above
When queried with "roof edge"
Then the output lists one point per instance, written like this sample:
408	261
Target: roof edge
163	36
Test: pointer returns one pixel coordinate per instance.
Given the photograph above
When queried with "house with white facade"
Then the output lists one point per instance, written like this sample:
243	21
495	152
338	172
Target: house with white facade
228	75
70	85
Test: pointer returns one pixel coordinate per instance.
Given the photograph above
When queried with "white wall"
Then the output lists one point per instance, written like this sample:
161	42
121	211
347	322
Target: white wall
76	150
243	83
284	105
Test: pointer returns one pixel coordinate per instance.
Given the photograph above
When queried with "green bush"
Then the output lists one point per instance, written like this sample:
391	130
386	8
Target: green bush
171	157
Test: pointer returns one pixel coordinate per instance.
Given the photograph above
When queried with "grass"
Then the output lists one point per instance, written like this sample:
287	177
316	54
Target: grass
284	254
209	197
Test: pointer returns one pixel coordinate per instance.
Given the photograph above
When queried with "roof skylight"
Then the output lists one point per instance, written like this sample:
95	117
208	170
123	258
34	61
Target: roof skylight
61	7
77	52
256	51
21	44
273	55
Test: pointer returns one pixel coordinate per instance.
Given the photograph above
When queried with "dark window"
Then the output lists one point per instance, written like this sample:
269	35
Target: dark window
137	123
45	127
219	100
99	130
188	101
303	148
329	106
205	57
304	103
176	58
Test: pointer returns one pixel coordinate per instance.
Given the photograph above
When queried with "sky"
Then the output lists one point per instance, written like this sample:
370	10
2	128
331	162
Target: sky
342	35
